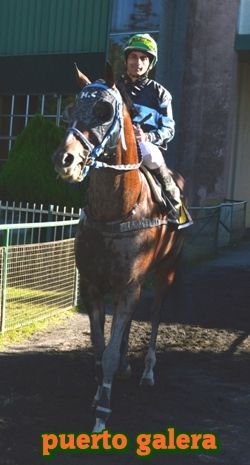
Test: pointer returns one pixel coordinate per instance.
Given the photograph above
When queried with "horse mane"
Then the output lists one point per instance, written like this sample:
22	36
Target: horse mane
126	99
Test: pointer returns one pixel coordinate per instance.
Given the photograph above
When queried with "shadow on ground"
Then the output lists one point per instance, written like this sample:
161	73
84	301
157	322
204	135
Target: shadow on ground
202	379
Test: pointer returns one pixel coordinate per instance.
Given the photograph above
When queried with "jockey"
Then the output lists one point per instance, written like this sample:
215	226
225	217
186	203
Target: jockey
153	102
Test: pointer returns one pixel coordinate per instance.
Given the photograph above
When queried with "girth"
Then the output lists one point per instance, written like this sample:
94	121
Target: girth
120	227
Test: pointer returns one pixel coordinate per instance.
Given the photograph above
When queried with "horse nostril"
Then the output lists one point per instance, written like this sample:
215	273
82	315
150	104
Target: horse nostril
67	159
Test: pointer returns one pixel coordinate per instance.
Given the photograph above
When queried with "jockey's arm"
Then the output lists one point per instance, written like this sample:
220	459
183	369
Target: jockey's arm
160	136
160	128
166	127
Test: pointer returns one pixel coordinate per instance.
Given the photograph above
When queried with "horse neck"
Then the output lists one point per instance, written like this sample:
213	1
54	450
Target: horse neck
112	194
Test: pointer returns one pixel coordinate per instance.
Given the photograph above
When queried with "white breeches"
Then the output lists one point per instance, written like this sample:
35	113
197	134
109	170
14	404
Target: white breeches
151	154
153	159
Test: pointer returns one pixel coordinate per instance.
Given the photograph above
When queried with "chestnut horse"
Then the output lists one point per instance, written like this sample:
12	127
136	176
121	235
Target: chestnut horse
123	233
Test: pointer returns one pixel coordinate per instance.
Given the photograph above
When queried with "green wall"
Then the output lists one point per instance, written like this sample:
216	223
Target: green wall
31	27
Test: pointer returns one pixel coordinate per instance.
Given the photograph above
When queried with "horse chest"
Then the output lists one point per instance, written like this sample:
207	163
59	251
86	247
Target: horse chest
111	258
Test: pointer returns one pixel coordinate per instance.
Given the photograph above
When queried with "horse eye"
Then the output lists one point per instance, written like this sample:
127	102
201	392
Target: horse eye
103	111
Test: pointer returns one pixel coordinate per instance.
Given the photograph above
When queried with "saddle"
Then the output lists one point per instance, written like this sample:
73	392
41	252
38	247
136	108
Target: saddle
160	196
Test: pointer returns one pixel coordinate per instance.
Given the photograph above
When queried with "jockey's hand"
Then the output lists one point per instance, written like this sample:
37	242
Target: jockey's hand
139	134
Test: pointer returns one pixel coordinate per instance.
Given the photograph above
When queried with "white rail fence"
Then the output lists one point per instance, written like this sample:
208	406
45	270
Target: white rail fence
23	213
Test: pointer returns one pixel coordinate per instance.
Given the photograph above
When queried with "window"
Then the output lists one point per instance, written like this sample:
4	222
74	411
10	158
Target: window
128	18
135	15
16	111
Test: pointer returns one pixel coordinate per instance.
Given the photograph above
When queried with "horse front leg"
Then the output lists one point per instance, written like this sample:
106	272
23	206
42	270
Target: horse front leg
96	314
123	312
147	378
97	320
165	280
94	305
125	370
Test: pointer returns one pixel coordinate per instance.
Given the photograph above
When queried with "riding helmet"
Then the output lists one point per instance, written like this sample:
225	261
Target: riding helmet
144	43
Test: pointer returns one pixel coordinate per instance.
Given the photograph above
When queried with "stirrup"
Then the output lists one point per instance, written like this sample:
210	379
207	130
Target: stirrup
185	219
173	216
180	217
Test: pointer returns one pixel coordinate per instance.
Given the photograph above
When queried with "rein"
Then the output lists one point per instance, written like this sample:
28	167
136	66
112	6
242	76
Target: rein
98	150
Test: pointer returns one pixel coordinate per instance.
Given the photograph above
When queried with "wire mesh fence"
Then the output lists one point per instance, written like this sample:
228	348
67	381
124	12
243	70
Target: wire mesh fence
41	281
37	280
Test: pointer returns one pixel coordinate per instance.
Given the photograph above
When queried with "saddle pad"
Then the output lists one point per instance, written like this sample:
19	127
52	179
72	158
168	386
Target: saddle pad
154	185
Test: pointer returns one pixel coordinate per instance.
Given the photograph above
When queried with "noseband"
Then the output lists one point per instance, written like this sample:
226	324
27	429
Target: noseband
116	127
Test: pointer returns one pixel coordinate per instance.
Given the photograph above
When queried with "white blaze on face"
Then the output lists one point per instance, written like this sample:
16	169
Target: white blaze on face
69	138
71	159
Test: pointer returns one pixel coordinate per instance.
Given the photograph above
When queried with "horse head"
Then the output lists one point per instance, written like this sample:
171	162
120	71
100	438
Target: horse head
95	125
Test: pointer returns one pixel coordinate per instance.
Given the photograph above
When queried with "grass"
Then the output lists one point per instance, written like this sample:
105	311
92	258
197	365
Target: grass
30	310
27	308
19	293
17	336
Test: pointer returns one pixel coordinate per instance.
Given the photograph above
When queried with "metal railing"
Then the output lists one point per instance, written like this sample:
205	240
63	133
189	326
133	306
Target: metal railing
214	227
22	213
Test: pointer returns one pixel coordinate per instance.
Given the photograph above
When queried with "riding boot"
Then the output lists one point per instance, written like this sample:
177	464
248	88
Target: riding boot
171	191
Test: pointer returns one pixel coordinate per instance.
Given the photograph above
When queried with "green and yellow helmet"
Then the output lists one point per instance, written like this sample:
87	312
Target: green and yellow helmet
144	43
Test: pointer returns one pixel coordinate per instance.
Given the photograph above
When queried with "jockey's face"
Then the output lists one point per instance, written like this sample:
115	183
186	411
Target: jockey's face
137	64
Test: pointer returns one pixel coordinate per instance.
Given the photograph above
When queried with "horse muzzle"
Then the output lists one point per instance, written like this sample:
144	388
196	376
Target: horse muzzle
69	166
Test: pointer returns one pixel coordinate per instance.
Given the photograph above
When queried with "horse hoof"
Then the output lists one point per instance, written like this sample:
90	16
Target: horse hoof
147	382
99	426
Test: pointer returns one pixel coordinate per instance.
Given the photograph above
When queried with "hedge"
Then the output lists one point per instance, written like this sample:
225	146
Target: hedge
29	175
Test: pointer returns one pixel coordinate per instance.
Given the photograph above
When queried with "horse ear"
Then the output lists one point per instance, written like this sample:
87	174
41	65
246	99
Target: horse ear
81	78
109	75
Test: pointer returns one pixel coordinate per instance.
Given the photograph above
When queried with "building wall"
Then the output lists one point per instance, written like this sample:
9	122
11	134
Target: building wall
240	173
208	99
31	27
171	64
41	40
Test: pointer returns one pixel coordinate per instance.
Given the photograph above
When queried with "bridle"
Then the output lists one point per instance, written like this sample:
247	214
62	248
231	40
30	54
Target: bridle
116	126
